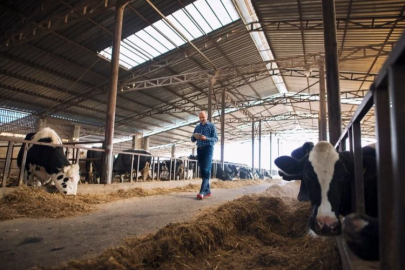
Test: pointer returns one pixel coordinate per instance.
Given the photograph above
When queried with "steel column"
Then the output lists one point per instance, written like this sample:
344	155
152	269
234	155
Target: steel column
322	102
260	146
385	180
253	144
222	127
397	111
173	151
271	153
358	167
210	92
7	163
332	70
112	95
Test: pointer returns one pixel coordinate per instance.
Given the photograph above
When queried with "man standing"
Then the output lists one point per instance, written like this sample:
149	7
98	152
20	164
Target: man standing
206	136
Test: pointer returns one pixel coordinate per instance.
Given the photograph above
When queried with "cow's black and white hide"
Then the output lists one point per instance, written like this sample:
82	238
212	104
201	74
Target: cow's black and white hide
185	168
93	166
245	173
122	164
299	154
328	176
49	163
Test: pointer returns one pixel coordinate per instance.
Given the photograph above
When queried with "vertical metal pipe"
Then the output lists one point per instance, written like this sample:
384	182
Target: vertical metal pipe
322	101
397	112
7	164
137	168
353	184
22	169
384	180
358	168
332	70
253	144
131	176
222	128
112	95
271	153
278	147
210	92
260	146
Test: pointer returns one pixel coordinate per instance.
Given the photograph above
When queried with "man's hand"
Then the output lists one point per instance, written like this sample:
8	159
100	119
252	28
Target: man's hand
203	138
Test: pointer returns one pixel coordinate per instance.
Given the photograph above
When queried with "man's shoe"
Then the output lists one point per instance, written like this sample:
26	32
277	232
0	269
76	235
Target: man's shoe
200	196
207	195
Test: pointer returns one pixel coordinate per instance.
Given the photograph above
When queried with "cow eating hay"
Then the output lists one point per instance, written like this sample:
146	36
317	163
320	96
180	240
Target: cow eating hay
48	163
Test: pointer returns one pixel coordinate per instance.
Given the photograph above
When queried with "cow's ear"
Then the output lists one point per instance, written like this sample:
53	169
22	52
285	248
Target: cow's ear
288	164
307	147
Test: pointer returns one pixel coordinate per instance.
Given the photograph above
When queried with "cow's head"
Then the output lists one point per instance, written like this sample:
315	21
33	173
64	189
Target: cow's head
67	179
324	176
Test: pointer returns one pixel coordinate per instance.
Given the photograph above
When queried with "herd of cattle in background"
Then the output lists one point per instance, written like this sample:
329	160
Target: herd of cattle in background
50	165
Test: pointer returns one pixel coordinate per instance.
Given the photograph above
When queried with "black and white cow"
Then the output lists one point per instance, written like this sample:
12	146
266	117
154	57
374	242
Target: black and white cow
49	163
122	164
93	166
328	176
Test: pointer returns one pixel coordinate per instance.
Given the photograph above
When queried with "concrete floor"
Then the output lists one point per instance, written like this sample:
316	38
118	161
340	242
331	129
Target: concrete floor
25	243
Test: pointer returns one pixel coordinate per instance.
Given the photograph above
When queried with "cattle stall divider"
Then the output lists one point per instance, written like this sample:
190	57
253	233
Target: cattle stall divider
387	95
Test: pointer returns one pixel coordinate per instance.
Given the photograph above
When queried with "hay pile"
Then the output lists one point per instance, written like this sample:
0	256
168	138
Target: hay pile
34	202
254	232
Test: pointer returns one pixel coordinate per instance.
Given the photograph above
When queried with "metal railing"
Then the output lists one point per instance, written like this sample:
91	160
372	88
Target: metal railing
387	95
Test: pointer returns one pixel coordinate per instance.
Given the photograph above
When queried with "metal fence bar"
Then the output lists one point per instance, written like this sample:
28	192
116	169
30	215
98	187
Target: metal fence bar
385	182
396	79
7	163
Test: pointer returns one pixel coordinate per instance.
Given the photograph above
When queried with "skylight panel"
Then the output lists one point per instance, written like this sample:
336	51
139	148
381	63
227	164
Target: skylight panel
220	11
191	31
164	28
209	16
166	43
230	8
158	47
195	20
198	18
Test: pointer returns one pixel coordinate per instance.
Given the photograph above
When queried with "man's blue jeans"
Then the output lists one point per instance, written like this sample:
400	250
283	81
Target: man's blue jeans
204	156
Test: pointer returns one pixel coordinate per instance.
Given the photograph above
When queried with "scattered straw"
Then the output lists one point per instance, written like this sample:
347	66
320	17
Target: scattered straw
253	232
36	203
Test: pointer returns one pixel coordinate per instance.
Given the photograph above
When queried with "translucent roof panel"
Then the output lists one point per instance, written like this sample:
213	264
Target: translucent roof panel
195	20
8	116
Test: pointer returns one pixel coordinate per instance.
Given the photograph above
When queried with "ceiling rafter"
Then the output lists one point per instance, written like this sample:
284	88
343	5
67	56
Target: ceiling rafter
353	23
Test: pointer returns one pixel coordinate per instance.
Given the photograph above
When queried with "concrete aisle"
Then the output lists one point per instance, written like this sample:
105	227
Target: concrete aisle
26	243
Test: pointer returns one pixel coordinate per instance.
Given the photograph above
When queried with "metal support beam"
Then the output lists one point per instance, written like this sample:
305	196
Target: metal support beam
260	145
322	103
210	93
253	144
271	152
106	175
223	128
397	112
385	182
356	23
332	70
173	154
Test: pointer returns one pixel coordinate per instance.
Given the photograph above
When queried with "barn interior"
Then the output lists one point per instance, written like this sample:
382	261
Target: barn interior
56	66
260	68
